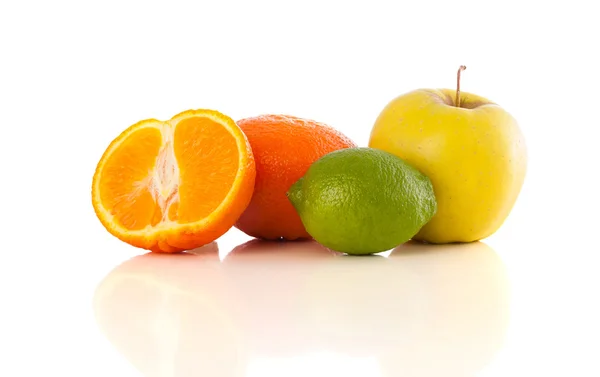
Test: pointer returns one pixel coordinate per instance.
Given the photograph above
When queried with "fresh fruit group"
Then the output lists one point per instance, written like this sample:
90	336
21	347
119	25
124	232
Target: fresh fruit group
472	150
283	147
174	185
363	200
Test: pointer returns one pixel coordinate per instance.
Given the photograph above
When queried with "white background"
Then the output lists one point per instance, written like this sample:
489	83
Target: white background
74	74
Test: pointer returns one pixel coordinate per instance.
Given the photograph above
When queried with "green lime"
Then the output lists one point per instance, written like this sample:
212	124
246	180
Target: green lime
363	200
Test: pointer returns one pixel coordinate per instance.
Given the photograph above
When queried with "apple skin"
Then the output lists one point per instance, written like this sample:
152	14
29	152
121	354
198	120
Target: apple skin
475	156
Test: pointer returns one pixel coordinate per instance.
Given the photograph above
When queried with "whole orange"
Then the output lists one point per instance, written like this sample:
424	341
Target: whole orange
284	147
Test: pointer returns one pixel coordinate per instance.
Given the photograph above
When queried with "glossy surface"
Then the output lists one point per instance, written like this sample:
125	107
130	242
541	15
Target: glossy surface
198	316
247	308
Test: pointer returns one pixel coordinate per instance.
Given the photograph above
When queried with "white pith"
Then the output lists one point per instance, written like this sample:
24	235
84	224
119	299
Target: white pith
163	181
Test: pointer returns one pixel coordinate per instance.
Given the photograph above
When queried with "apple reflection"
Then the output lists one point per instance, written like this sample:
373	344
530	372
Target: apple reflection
427	310
423	311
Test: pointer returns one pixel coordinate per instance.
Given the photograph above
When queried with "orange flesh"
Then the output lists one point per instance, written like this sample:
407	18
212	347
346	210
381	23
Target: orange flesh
208	164
163	176
129	201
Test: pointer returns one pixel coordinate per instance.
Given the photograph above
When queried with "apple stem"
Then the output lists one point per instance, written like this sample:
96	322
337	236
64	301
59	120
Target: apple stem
460	69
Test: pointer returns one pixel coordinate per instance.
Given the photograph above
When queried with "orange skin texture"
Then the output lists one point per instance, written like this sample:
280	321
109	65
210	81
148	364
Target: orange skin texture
284	147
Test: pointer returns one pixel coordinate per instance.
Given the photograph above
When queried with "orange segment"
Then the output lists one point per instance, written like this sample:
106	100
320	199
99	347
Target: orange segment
175	185
206	172
130	202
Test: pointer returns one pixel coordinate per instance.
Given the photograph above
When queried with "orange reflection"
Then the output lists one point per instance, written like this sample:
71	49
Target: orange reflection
423	311
168	314
268	278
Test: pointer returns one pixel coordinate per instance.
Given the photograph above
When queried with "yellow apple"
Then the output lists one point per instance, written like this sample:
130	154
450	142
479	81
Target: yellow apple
474	154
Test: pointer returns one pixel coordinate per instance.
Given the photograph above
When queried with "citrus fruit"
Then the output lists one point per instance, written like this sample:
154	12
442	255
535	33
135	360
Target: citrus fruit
363	200
174	185
283	147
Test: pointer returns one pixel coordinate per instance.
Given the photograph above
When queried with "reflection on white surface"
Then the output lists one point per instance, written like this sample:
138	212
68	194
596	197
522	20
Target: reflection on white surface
297	309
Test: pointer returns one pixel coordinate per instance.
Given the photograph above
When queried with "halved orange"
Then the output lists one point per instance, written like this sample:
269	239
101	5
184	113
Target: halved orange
175	185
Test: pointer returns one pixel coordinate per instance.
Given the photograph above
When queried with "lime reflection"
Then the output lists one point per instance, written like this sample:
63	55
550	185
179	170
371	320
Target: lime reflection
276	307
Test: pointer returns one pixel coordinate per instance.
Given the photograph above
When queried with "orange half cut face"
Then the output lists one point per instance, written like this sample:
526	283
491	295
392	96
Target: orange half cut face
174	185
